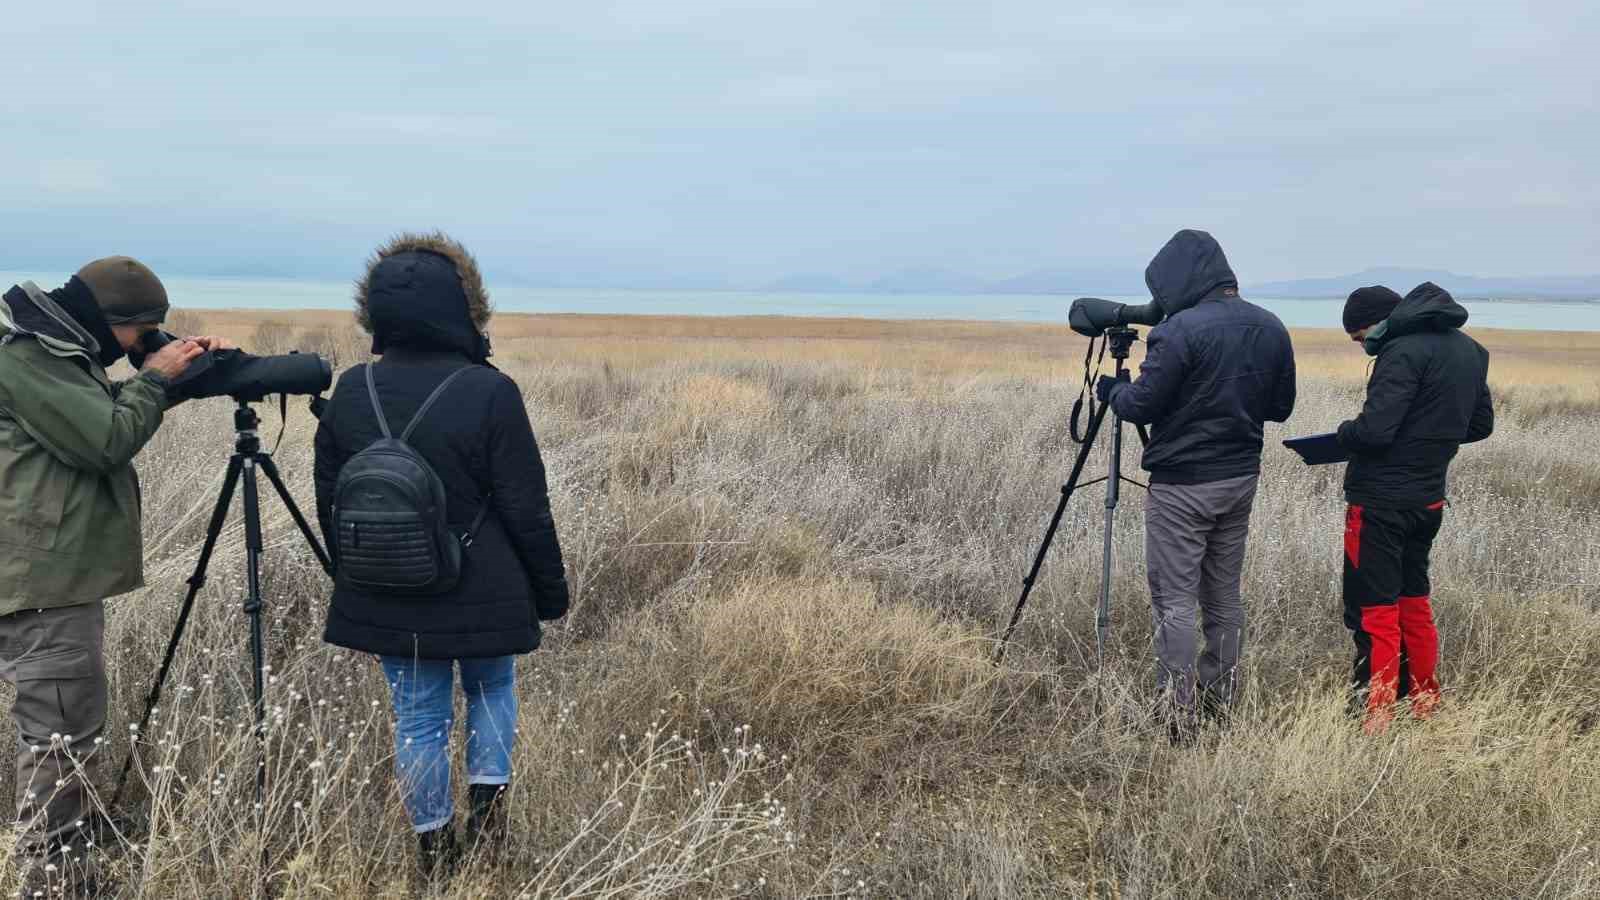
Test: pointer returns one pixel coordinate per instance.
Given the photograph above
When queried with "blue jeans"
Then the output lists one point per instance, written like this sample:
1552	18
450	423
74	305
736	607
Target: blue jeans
422	691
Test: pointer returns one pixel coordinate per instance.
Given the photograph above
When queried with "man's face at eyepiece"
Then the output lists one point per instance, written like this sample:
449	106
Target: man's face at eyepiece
129	336
1359	336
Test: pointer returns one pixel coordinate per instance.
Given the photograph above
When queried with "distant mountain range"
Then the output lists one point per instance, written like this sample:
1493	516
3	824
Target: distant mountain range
334	260
1121	282
1586	287
934	280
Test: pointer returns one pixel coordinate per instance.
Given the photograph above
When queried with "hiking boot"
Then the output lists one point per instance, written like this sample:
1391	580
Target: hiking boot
1215	711
58	876
439	853
65	866
1377	721
1182	724
112	833
1183	731
1424	704
486	827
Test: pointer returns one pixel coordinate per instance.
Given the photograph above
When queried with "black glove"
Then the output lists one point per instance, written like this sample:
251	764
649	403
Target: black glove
1107	386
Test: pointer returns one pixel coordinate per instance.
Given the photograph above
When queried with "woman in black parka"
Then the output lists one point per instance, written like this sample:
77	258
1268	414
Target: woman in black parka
423	301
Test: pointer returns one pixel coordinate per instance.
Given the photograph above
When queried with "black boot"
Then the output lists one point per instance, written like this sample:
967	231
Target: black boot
1180	723
1183	726
486	828
1183	733
67	871
1216	710
440	854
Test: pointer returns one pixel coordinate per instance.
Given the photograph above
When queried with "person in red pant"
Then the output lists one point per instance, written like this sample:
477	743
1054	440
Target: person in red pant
1428	395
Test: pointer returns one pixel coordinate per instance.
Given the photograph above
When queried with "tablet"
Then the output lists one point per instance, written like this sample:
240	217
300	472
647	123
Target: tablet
1318	449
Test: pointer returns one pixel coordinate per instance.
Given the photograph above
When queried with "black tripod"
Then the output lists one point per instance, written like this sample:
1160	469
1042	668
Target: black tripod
1119	340
247	458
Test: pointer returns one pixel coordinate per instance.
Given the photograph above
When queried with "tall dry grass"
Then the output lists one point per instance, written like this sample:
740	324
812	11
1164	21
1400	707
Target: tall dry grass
791	545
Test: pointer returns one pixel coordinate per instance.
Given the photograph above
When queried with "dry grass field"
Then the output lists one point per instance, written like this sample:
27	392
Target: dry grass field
791	544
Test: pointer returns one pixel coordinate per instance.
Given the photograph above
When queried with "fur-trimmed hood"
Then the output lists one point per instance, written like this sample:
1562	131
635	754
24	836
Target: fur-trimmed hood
440	244
424	291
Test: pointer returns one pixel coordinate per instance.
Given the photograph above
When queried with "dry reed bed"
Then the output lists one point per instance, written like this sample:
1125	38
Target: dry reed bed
791	544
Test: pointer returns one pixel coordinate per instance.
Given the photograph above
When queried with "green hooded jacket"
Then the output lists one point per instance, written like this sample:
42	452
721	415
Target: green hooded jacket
69	497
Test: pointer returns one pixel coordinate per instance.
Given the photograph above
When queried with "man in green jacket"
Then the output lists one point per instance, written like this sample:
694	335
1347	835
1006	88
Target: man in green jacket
70	530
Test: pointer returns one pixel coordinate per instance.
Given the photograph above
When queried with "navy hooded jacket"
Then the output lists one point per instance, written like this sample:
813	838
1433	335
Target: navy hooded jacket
1213	372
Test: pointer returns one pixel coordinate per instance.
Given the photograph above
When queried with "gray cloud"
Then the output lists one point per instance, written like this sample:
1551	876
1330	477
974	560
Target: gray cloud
748	140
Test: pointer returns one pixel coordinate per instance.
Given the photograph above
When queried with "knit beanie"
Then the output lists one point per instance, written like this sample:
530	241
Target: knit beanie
126	290
1368	306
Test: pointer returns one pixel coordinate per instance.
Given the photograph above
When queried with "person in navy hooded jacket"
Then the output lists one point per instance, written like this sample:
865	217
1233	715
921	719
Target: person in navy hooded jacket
1213	372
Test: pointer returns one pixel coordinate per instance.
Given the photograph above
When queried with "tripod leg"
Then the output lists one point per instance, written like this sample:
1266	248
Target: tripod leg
1114	480
252	608
197	580
1102	617
271	468
1050	532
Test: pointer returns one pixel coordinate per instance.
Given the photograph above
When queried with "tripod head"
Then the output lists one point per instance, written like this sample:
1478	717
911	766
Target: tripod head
246	425
1121	340
245	418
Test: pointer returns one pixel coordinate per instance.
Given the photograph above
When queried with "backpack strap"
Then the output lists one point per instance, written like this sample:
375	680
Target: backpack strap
423	410
483	512
372	391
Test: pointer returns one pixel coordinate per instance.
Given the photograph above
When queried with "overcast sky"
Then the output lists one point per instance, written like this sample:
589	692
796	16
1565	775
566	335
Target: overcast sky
752	140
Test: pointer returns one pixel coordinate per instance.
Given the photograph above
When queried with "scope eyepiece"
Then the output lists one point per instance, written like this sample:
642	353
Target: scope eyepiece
151	342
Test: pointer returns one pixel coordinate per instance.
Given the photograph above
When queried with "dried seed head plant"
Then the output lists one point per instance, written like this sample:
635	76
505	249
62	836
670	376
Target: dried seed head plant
791	544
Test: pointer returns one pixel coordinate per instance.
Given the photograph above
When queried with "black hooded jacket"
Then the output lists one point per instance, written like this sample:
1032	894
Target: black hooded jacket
479	441
1428	395
1213	371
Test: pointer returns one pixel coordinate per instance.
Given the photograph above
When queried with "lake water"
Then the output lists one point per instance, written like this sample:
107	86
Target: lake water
222	293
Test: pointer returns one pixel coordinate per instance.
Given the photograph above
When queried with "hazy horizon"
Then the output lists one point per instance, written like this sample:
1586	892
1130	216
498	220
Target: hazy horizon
288	296
1099	283
721	145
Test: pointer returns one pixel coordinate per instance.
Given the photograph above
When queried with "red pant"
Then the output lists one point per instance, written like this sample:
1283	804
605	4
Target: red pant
1387	606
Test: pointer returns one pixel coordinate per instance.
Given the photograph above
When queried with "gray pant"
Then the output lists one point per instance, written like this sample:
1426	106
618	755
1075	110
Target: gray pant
1194	546
55	658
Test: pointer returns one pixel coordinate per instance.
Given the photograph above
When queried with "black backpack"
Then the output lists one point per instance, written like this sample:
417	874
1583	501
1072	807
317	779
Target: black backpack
389	514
